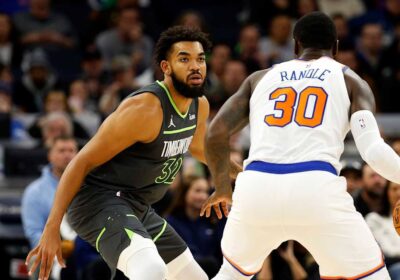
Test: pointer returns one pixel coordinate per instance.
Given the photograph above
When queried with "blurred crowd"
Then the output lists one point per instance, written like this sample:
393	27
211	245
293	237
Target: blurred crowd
66	64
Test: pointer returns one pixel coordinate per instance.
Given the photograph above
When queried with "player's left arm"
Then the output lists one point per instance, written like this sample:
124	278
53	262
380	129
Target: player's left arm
373	149
197	146
231	118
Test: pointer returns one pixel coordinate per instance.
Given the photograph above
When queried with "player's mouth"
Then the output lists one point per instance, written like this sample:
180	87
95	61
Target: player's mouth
195	79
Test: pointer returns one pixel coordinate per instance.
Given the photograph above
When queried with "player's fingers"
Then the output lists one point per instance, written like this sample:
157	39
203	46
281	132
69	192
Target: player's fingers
204	207
208	211
43	266
35	264
60	259
31	254
225	209
217	211
49	265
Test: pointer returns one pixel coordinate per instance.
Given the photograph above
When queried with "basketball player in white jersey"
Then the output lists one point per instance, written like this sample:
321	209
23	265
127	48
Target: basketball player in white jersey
299	113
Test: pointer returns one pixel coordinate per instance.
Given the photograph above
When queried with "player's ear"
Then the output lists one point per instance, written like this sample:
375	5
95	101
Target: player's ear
335	48
296	47
165	67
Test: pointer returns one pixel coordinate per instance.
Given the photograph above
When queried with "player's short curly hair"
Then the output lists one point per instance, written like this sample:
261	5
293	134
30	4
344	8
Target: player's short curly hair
179	34
315	30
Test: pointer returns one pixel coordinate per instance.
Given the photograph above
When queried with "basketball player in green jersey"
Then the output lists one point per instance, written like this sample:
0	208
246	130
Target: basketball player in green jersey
129	164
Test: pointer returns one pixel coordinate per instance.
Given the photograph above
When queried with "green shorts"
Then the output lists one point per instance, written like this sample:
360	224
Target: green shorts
107	220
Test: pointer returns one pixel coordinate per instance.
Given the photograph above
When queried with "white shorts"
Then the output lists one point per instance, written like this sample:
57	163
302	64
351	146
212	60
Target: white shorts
310	207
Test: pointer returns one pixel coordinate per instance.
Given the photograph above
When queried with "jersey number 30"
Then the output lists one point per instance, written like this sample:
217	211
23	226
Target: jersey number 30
309	111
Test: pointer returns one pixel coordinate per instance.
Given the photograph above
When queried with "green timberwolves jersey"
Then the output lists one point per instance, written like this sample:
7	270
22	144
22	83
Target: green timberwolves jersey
146	169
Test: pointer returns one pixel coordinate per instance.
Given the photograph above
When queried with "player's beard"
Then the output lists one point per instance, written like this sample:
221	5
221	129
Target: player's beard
187	90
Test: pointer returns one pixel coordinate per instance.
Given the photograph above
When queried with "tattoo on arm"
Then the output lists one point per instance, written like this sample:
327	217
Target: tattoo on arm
231	118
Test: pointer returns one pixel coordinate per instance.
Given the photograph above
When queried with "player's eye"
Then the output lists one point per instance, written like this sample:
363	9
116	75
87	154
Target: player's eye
183	59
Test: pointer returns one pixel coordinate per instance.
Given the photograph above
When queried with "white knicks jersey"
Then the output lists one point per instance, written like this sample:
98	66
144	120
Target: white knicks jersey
299	111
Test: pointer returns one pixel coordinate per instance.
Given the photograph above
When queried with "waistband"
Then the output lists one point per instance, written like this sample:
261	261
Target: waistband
286	168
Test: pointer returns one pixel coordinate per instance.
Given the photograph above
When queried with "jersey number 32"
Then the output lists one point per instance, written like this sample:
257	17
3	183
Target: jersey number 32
310	108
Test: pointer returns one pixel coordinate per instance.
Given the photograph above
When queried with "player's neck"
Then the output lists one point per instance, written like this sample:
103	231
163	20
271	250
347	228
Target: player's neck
309	54
181	102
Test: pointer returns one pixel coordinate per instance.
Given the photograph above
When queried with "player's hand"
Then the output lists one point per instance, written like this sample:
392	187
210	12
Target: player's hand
217	199
49	246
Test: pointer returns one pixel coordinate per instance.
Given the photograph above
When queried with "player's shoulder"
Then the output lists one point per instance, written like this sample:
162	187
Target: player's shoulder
354	82
256	76
351	75
204	107
140	116
144	103
203	101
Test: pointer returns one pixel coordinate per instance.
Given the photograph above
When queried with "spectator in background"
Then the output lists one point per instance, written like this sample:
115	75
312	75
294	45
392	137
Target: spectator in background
369	199
56	102
41	27
248	48
5	98
191	19
92	63
390	75
6	44
262	11
151	74
220	55
306	6
343	31
83	109
10	127
381	225
200	234
79	99
123	83
39	195
127	39
278	46
282	263
54	125
347	8
370	51
352	172
234	74
93	73
5	74
103	13
371	46
392	12
37	80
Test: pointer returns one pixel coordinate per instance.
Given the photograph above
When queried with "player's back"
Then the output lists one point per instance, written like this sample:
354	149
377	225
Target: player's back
299	112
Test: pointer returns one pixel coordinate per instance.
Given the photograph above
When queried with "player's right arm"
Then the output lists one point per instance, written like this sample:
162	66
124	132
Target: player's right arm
137	119
364	128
